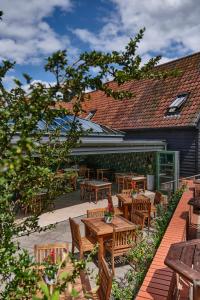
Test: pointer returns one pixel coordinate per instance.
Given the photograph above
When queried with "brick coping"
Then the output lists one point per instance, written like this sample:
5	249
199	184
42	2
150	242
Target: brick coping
158	280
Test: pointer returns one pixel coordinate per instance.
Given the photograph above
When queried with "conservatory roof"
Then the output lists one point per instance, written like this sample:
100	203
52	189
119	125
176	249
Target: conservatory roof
64	125
98	139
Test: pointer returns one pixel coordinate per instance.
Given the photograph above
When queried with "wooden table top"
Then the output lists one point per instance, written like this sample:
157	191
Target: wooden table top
124	174
184	258
96	183
136	177
100	227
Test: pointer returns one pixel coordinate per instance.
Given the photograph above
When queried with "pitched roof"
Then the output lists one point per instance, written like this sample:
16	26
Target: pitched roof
152	98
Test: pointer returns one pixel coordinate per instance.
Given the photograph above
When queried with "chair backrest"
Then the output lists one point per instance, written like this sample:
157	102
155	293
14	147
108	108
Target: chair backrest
141	204
126	192
82	171
73	181
157	198
56	251
138	218
128	182
123	239
75	232
110	203
105	281
96	212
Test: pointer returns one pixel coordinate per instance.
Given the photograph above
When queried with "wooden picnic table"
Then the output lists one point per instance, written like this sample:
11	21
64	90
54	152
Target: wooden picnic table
95	186
128	177
101	231
184	259
125	201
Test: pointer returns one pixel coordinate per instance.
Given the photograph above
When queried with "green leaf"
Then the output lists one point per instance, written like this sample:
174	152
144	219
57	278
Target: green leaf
43	286
74	293
64	275
55	295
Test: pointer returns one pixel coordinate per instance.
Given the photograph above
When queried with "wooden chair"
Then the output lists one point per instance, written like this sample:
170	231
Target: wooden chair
196	190
122	241
88	193
120	183
138	218
116	210
157	200
73	182
127	182
96	212
142	205
41	252
83	171
83	244
126	191
105	283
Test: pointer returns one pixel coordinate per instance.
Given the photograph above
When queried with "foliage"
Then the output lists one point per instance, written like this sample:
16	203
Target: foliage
142	254
30	158
54	277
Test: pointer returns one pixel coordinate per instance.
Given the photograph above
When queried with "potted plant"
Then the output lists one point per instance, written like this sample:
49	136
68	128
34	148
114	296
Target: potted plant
150	178
108	215
134	190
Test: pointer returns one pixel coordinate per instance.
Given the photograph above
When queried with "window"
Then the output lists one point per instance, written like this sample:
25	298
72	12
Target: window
176	105
91	114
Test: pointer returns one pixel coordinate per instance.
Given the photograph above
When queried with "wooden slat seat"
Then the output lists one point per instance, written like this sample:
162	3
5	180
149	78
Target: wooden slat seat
83	244
87	244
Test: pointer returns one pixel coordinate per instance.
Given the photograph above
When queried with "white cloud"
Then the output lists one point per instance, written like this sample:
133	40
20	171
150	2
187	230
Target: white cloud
24	34
172	27
26	87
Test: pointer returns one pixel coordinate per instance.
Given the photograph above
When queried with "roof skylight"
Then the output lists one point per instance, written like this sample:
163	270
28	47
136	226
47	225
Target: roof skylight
176	105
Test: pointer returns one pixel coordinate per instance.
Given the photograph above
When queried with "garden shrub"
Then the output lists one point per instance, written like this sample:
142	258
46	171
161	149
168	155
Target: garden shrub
140	257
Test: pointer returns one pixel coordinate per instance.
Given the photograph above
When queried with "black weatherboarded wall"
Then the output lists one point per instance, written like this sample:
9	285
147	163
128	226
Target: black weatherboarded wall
184	140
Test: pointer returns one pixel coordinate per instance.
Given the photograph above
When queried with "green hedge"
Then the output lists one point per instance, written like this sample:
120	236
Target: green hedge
141	255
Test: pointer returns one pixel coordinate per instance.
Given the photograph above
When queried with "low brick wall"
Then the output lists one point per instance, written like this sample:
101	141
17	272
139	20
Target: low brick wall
159	278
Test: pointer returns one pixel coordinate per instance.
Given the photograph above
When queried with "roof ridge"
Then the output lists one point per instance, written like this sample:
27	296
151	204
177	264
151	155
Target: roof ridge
158	66
180	58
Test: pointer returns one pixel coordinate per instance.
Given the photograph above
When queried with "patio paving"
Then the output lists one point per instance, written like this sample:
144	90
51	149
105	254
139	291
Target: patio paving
76	209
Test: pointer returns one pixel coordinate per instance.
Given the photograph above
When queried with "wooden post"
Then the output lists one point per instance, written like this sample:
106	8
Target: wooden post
196	290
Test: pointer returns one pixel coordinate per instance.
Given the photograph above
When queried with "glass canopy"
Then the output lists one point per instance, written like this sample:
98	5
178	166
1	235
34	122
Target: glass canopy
64	125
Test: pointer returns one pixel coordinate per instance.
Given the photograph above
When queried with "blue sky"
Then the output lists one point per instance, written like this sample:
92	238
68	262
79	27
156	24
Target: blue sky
32	30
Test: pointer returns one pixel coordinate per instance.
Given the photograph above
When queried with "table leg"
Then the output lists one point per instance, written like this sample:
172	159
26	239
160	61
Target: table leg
126	212
87	232
96	195
81	192
101	249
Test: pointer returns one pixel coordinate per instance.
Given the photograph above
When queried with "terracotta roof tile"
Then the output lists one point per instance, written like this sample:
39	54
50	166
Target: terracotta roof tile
152	98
